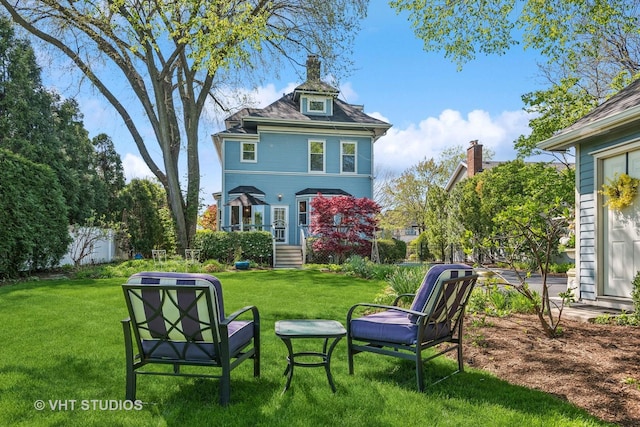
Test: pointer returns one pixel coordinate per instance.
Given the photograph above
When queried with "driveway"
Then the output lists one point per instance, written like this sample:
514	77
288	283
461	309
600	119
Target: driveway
555	283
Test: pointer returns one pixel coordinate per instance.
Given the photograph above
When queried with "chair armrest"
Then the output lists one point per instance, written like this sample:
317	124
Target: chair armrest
237	313
385	307
399	297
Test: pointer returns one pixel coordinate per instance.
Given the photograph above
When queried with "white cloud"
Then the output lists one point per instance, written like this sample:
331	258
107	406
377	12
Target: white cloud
135	167
403	148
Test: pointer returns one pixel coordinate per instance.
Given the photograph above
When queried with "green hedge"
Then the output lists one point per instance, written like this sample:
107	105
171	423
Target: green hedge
391	250
34	233
228	247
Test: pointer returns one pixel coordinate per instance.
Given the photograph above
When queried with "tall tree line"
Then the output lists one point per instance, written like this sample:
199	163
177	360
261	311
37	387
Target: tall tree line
62	175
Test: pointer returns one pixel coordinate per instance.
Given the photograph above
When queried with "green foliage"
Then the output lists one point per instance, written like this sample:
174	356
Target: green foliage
461	29
498	301
592	49
560	268
555	108
47	129
391	250
406	196
421	245
622	319
146	218
366	269
227	247
33	224
161	61
635	292
402	280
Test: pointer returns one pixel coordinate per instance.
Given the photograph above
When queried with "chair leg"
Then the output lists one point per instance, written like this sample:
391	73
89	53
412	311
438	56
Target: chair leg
256	356
130	390
225	387
350	354
419	369
131	386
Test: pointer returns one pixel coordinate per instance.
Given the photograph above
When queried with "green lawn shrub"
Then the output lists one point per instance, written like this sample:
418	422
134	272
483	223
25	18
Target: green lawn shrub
34	232
225	247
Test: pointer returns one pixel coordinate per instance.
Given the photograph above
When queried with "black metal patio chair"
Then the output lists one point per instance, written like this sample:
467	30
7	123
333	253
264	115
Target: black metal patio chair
434	318
178	319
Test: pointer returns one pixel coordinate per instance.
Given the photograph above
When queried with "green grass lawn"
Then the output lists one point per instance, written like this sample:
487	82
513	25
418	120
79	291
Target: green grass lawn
62	342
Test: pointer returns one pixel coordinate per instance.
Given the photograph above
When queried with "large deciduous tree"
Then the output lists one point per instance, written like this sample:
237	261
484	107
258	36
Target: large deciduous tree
406	195
171	56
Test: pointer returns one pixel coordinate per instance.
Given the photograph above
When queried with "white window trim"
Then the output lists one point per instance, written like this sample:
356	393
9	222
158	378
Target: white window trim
311	99
255	152
355	157
324	155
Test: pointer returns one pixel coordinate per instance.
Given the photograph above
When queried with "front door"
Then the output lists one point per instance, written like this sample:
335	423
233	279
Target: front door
621	239
280	228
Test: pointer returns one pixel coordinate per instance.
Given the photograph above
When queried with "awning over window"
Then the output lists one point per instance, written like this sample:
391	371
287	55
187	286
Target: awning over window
246	199
323	191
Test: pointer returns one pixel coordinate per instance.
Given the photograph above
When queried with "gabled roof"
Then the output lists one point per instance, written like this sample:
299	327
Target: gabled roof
620	110
460	172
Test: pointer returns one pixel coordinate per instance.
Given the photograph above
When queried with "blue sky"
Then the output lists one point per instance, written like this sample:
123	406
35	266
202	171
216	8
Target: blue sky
430	104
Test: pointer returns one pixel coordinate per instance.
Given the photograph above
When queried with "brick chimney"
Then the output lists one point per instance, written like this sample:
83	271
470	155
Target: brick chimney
313	68
474	158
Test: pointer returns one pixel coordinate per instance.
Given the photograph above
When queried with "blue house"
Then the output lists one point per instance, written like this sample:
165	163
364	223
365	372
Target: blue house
276	159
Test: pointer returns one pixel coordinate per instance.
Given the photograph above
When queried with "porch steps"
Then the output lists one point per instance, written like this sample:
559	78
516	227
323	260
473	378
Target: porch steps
288	256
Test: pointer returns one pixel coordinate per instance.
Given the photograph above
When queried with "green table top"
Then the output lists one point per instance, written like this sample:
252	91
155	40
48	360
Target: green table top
309	328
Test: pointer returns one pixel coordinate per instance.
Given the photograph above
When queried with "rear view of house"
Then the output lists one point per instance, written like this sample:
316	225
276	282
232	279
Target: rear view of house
276	159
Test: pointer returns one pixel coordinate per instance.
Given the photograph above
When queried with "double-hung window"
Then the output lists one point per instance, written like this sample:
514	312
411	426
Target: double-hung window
348	153
249	152
316	156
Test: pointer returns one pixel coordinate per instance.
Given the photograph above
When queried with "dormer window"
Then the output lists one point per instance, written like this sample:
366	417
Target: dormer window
316	106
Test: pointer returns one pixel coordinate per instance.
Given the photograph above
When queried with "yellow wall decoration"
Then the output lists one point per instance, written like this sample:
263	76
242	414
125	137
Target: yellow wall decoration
620	191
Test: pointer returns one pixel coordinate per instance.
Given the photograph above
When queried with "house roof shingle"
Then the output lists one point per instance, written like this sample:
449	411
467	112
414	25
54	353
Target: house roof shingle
620	109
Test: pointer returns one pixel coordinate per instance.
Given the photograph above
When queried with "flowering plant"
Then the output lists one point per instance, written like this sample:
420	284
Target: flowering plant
620	191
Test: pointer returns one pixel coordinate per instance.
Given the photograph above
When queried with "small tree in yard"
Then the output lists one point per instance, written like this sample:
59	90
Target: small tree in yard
534	230
85	238
343	225
520	211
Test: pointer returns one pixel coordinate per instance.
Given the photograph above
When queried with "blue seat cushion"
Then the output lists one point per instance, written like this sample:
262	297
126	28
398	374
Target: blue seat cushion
240	334
392	326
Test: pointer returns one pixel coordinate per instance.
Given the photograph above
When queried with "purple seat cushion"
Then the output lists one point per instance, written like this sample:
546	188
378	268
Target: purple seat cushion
436	274
240	334
392	326
161	277
389	325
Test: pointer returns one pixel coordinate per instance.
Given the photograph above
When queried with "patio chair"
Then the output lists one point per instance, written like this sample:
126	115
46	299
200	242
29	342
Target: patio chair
435	317
178	319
